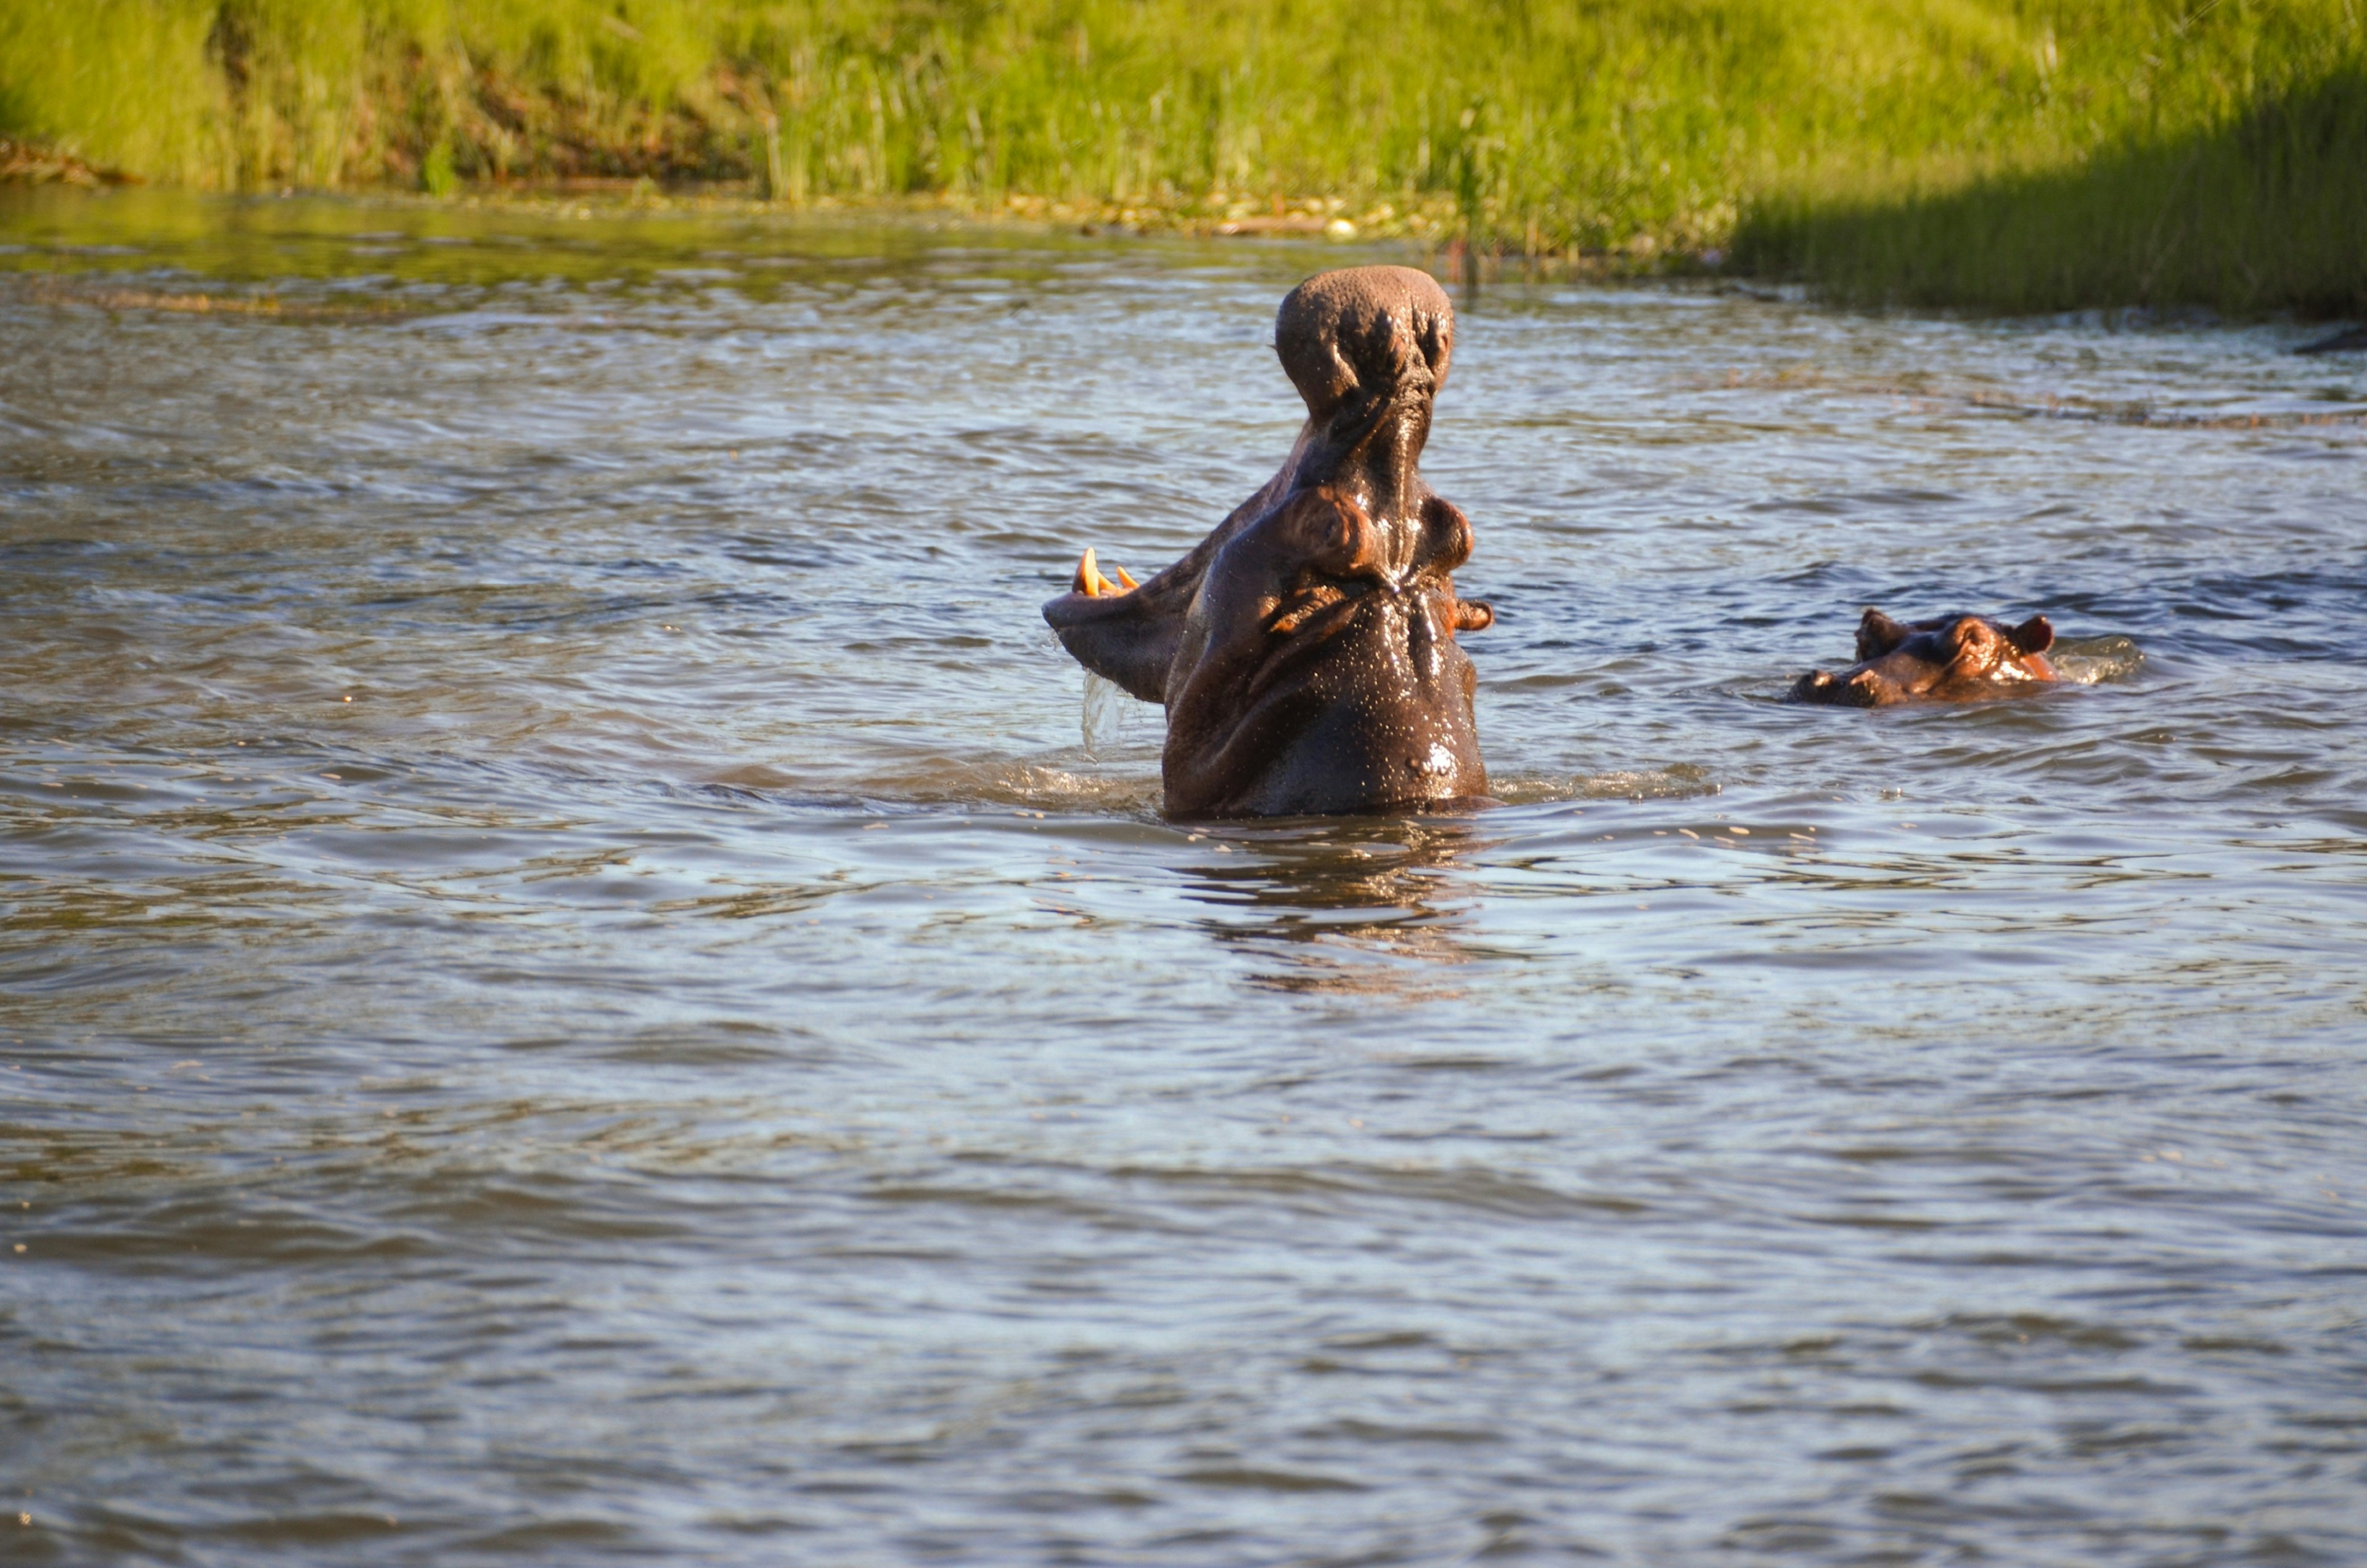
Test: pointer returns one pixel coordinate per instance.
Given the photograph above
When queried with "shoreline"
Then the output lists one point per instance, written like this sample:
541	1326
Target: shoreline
1430	235
1329	220
1884	151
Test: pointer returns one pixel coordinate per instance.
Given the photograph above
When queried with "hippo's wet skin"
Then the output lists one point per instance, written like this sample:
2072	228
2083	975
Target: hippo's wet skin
1305	649
1952	659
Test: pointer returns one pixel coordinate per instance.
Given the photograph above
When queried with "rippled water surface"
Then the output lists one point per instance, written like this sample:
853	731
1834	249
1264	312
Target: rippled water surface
580	980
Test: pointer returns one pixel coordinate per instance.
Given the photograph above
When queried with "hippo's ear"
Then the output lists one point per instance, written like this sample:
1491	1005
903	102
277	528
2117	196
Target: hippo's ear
1878	634
2036	635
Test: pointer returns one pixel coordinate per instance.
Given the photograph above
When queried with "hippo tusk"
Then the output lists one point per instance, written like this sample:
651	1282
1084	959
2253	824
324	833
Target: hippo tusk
1090	582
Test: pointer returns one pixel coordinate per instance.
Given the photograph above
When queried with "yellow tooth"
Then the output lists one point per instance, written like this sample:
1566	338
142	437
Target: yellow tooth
1130	583
1089	576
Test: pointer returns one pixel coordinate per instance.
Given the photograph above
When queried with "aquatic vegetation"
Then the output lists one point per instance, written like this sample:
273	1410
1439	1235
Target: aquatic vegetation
1995	151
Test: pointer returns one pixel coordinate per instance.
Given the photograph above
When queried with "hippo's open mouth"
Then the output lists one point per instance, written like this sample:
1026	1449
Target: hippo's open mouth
1305	649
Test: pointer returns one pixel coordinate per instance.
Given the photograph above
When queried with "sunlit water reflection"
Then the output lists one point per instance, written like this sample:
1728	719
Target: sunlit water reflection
581	979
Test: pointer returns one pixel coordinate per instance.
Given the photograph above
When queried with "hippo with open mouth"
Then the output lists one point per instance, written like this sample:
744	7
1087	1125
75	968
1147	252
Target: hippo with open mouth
1305	649
1952	659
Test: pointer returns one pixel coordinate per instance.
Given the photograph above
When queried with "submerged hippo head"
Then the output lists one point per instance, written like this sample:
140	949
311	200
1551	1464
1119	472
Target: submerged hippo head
1952	659
1305	649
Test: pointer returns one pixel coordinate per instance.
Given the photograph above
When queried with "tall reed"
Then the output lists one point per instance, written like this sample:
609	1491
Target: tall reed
1629	126
2266	211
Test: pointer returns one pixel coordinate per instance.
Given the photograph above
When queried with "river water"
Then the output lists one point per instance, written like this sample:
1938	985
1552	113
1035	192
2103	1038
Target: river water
582	981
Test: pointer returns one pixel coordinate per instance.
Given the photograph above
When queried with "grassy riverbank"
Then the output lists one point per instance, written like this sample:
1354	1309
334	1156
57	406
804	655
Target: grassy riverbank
2265	211
1975	151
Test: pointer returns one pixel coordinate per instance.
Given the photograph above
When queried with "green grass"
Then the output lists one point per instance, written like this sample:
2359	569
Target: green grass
2264	213
1997	152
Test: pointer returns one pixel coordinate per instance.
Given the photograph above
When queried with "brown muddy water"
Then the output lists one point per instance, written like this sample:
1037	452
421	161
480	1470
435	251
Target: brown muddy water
581	981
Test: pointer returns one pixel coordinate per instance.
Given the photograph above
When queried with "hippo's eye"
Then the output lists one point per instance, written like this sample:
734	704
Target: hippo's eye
1447	536
1307	599
1971	638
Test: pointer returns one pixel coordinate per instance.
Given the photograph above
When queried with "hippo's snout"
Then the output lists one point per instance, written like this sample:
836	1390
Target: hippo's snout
1861	689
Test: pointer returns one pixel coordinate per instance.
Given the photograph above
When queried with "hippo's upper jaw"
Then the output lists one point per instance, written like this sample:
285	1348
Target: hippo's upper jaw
1951	659
1305	649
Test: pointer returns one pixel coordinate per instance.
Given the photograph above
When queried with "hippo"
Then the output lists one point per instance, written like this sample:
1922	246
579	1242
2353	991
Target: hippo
1305	650
1952	659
